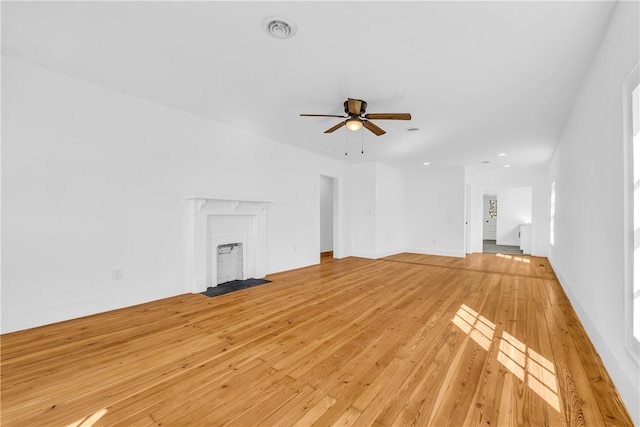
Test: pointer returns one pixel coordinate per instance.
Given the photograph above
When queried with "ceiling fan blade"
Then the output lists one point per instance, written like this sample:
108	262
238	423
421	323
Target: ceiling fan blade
323	115
354	106
336	127
388	116
373	128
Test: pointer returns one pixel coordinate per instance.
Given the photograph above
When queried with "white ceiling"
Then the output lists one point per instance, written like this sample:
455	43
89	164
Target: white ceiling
479	78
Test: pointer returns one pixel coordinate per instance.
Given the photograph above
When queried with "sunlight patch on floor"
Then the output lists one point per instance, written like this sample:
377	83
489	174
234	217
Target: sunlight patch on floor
476	326
89	420
515	258
526	364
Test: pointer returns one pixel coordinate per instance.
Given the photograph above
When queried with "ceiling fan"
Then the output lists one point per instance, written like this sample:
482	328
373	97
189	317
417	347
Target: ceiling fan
356	118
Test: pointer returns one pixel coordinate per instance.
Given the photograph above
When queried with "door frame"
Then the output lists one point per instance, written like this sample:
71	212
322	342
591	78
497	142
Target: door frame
476	201
337	244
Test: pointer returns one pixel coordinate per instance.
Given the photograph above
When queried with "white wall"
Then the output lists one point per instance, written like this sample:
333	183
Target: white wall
326	214
435	211
389	233
377	210
94	180
362	208
588	255
514	208
481	179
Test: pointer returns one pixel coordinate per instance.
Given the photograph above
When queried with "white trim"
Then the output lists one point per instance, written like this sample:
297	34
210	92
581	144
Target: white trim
631	80
624	385
376	255
438	252
200	238
364	254
508	243
389	253
338	249
219	199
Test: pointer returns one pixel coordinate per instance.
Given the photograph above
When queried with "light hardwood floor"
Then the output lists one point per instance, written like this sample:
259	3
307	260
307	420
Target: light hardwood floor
406	340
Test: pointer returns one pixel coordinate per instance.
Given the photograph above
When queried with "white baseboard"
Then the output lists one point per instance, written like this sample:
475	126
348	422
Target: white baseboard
32	317
389	253
439	252
620	378
509	243
376	255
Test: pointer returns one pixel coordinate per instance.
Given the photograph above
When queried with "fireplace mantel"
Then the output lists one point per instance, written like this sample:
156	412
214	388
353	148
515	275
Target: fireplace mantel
204	212
228	206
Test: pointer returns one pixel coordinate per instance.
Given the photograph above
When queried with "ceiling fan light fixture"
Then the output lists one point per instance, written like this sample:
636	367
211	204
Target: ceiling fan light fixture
354	124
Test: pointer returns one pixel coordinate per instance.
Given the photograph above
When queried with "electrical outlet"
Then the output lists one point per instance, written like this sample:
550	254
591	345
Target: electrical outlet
116	274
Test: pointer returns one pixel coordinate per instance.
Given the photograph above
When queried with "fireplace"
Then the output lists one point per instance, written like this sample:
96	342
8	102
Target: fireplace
229	259
233	227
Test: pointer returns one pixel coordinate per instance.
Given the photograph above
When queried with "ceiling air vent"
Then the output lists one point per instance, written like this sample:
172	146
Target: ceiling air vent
279	27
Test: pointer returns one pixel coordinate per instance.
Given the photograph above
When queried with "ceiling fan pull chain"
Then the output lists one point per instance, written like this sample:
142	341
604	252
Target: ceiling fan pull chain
361	141
345	141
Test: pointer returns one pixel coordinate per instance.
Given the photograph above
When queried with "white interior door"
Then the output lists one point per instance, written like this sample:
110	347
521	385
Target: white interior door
490	218
490	229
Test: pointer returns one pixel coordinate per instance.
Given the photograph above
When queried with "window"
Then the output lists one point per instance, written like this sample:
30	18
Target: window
493	209
552	214
631	132
635	136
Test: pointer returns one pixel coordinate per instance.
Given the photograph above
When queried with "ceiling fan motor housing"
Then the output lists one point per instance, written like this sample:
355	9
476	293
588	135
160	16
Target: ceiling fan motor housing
363	107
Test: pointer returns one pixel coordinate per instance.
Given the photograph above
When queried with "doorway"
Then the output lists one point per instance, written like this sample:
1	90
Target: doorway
328	192
506	217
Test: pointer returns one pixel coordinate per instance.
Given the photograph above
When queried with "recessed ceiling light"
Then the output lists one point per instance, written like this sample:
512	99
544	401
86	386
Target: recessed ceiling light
485	161
502	154
279	27
412	129
426	163
507	166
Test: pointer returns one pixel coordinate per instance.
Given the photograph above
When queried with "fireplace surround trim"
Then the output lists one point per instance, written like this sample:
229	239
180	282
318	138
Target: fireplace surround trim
200	209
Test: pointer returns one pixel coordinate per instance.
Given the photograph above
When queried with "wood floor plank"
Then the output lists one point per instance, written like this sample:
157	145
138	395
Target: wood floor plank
411	339
415	364
348	418
365	368
480	411
578	391
457	386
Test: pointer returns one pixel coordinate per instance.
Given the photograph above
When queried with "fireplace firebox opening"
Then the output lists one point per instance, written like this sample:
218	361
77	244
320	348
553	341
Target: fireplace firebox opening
229	261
